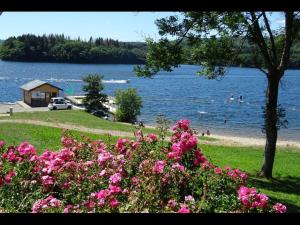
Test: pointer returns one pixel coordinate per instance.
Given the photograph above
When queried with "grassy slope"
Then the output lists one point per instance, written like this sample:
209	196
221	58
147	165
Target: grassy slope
77	117
42	137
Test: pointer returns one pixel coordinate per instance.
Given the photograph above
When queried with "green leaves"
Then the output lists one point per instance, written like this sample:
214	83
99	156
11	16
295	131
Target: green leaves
94	99
129	104
161	55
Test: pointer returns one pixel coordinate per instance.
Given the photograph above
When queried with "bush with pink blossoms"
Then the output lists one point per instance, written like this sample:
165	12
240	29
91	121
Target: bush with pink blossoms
141	175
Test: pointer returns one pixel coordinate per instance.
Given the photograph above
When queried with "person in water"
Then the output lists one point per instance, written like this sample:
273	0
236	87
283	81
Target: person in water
241	99
207	132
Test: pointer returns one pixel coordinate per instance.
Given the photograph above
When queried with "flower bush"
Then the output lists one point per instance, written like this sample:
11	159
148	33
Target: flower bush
141	175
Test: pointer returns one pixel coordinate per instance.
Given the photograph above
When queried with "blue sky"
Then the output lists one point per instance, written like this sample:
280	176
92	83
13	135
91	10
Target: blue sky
124	26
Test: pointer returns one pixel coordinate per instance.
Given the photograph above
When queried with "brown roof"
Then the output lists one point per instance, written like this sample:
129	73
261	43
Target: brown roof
35	84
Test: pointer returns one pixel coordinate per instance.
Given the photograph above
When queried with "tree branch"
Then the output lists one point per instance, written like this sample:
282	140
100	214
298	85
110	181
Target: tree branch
273	48
256	32
185	33
289	18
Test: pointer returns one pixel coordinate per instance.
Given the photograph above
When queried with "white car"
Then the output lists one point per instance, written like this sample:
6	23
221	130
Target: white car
59	103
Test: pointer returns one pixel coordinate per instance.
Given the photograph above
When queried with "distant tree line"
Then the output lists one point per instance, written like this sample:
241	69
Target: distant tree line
247	56
59	48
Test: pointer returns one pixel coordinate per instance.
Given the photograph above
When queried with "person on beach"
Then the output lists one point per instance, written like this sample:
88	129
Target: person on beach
207	132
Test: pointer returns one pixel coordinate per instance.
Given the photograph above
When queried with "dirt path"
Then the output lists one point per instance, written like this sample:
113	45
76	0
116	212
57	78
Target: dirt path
222	140
71	127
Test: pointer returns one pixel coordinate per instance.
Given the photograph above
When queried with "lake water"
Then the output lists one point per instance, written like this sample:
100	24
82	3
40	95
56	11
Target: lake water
180	94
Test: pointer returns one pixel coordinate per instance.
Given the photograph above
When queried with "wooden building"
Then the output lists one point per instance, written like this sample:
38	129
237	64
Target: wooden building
38	93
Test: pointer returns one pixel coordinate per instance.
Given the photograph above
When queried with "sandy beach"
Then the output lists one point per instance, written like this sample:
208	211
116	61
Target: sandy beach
245	141
231	140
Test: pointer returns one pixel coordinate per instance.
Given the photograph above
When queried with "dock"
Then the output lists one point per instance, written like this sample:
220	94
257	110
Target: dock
77	102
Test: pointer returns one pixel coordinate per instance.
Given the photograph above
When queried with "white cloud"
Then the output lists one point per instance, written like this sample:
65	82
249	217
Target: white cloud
280	21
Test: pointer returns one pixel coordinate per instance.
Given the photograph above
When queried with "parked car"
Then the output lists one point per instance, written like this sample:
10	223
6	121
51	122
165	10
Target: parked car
100	113
59	103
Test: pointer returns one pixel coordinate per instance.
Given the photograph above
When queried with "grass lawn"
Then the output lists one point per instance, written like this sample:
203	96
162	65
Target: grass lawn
42	137
284	187
75	117
78	117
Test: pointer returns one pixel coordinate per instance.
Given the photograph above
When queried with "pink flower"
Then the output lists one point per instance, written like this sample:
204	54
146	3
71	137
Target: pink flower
279	208
41	204
114	189
135	145
165	179
262	200
135	181
113	203
182	124
47	180
102	194
189	198
184	209
122	145
116	178
90	205
199	158
243	176
218	171
2	143
66	210
67	142
4	155
103	157
159	166
66	185
11	156
139	135
178	166
227	168
172	203
102	173
251	199
151	138
26	149
9	176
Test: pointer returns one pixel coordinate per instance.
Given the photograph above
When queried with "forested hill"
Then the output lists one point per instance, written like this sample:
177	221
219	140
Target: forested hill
59	48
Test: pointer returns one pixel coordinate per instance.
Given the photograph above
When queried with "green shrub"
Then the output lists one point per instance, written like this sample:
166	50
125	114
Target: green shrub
129	104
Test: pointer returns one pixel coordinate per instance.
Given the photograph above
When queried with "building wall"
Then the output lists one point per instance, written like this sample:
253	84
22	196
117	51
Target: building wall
46	88
27	97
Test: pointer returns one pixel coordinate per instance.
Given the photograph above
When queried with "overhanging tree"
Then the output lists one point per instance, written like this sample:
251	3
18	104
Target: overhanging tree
212	38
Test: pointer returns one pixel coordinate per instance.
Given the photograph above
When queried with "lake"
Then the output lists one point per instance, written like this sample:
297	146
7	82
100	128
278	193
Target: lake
179	94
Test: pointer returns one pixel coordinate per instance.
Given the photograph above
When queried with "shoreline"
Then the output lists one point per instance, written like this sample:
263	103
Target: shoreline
251	141
235	140
230	139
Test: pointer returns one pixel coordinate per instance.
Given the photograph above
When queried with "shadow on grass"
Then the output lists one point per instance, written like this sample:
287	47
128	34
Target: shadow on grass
288	185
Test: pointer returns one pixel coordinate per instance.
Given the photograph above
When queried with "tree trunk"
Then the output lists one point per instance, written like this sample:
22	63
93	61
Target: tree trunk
270	124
